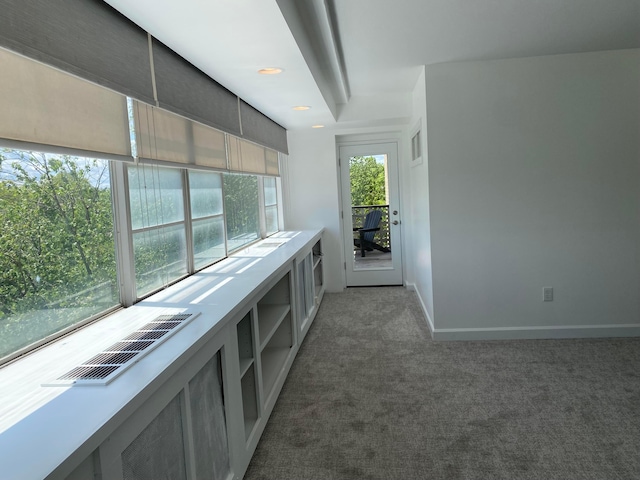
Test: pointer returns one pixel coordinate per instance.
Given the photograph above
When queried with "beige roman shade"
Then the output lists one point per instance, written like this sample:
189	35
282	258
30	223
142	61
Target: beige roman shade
273	167
166	137
44	107
246	157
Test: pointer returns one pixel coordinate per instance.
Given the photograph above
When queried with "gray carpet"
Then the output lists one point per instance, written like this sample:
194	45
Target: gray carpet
371	396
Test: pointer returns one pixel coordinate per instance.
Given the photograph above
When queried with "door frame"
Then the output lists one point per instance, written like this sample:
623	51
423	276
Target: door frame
365	140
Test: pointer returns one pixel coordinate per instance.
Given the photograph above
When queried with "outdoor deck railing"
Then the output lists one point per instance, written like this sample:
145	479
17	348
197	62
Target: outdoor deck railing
359	212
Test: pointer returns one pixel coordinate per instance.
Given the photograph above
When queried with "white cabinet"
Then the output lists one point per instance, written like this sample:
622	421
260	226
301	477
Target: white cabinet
197	405
309	286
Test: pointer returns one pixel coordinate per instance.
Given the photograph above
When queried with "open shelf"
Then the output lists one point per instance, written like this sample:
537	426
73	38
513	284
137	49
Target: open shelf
274	354
245	363
269	318
273	358
245	339
249	402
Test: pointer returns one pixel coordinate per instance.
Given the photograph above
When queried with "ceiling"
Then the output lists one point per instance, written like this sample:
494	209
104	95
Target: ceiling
335	51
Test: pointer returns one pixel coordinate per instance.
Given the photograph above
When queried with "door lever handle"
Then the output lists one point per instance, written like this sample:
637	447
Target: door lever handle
395	222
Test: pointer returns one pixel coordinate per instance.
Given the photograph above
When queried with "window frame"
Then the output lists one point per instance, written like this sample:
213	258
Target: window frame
123	240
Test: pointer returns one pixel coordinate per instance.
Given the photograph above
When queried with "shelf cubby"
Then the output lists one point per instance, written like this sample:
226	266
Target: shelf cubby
274	354
249	401
245	343
270	317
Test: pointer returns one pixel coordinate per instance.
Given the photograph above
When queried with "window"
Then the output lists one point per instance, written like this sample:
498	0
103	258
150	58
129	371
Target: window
207	215
57	261
270	205
156	202
241	209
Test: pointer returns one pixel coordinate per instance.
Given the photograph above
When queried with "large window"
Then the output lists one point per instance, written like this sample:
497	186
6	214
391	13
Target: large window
207	215
241	209
158	226
57	260
270	205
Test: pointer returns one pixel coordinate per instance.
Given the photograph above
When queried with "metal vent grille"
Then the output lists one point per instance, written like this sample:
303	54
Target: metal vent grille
114	360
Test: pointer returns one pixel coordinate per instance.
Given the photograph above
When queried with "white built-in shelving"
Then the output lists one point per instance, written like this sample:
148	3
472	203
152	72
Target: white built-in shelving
214	383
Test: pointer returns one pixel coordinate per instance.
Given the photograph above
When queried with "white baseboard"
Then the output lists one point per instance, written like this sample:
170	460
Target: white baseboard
412	287
526	333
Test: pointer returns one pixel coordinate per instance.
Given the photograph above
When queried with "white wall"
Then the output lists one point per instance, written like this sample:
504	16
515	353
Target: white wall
535	181
313	198
417	215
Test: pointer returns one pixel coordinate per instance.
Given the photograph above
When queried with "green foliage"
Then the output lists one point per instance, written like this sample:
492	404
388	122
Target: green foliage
241	207
367	181
56	239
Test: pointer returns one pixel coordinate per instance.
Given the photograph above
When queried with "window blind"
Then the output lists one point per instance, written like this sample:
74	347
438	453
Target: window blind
89	39
246	157
43	107
167	137
187	91
259	128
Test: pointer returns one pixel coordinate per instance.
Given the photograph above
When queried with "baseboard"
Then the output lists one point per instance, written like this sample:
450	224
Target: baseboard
412	287
525	333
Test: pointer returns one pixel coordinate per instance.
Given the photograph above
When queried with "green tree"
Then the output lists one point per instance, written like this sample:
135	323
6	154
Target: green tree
241	206
56	239
367	181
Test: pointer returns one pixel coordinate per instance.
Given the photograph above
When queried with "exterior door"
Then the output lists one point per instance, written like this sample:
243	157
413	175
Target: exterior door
371	214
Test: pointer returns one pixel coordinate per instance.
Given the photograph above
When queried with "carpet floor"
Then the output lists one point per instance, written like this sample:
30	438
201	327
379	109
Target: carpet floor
371	396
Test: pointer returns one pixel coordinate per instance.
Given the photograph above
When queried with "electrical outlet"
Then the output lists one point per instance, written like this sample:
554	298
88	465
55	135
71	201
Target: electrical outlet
547	294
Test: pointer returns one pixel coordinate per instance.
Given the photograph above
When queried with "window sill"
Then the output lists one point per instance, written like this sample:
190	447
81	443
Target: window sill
57	421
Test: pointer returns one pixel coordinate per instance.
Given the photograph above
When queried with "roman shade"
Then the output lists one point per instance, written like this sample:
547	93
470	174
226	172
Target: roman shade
170	138
187	91
87	38
245	156
259	128
91	40
44	107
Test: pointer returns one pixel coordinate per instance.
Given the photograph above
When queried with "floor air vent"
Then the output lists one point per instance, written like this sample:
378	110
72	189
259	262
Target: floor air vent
114	360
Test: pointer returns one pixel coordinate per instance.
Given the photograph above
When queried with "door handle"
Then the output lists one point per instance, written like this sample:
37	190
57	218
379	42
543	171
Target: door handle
395	222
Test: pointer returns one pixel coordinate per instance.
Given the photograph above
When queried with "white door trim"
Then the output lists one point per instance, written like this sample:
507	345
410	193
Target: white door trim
391	275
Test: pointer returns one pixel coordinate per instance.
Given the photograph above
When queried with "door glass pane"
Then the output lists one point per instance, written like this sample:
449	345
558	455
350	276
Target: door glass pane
369	184
208	241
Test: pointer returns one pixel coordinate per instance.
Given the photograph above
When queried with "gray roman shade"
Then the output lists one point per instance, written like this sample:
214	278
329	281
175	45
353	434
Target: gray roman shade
259	128
43	107
91	40
189	92
166	137
87	38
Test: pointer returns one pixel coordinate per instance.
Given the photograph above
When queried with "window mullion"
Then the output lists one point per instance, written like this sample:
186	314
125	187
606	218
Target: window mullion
224	216
125	264
261	208
188	221
280	203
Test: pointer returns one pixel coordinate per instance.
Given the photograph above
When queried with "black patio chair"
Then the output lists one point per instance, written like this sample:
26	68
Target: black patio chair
364	240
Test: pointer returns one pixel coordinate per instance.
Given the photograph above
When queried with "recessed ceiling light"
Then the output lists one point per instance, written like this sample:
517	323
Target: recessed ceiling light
270	71
317	126
301	107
